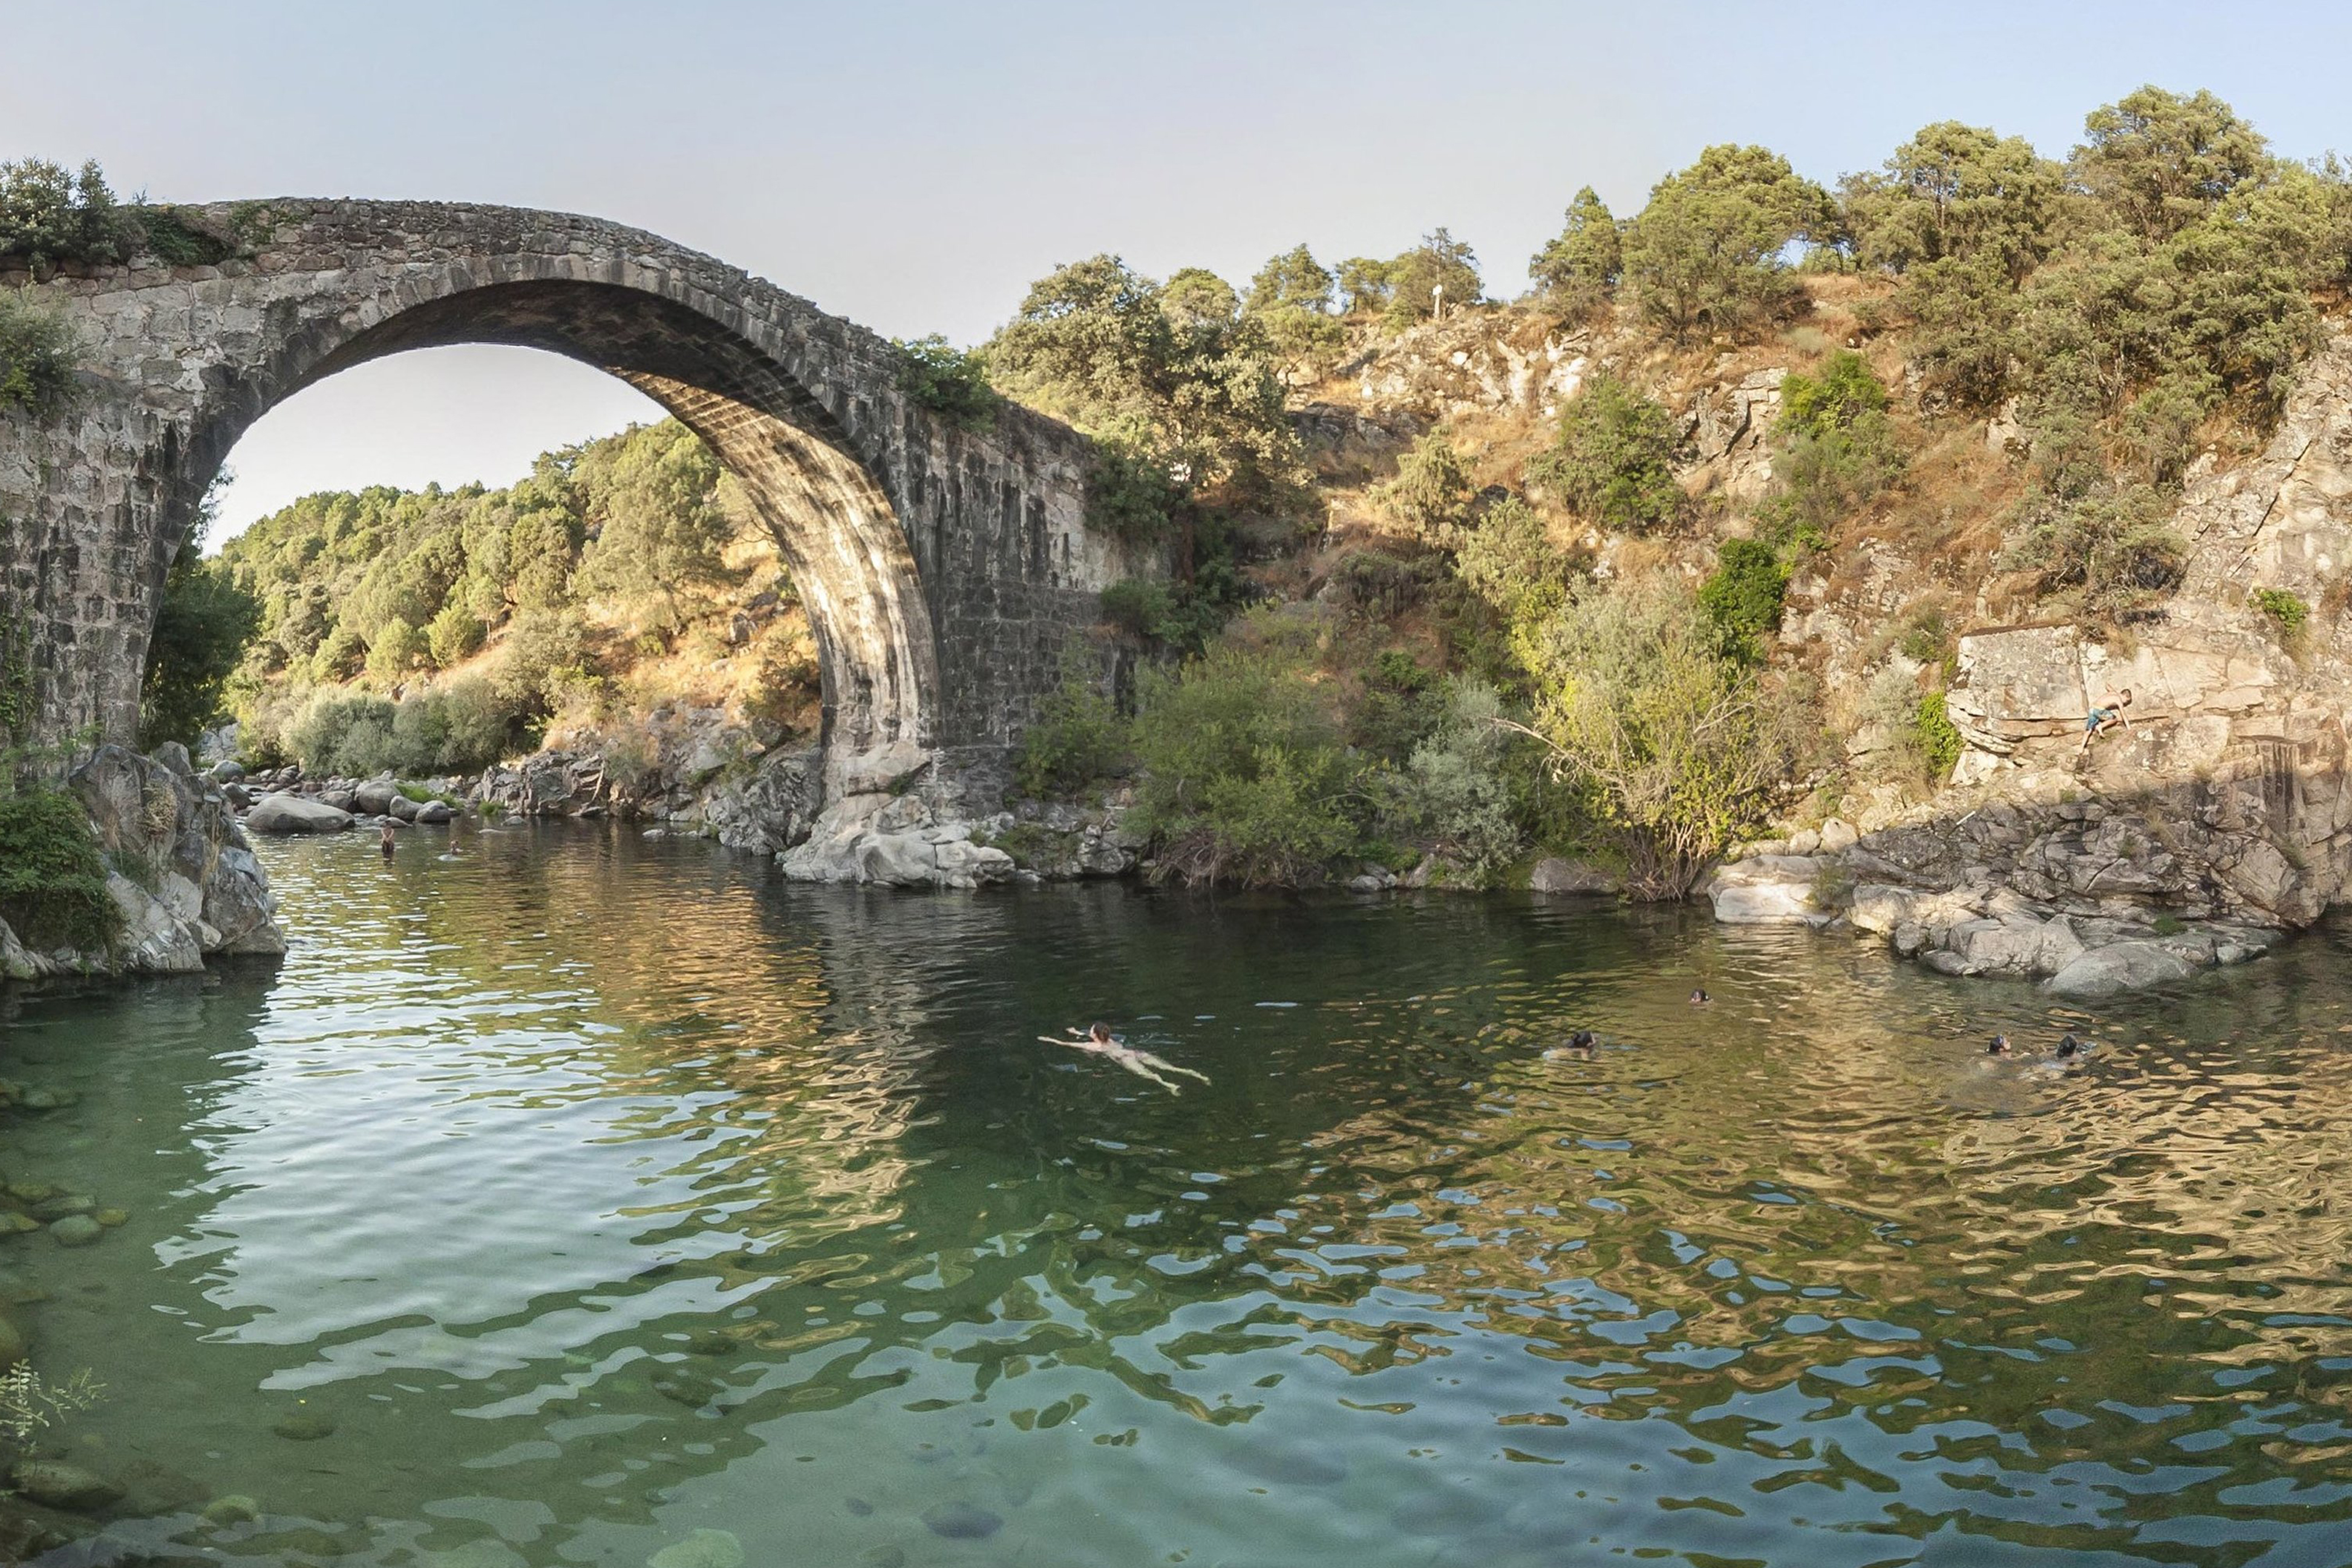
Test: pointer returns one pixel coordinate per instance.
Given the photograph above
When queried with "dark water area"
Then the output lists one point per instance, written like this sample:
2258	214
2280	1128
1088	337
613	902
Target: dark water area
583	1199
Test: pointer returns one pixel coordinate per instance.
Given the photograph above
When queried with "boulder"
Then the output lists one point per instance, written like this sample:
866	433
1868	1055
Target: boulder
376	797
1837	836
1767	890
293	813
2121	967
433	812
153	941
55	1484
228	770
403	809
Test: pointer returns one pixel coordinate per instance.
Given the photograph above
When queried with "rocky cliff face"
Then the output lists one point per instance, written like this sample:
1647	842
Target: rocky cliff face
179	870
2221	818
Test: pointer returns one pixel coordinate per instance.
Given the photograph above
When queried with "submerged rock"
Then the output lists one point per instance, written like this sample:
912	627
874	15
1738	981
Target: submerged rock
12	1344
76	1230
701	1549
961	1521
234	1508
56	1484
304	1426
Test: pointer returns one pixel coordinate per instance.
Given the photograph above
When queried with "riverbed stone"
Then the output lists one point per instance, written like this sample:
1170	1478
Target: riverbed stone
433	813
293	813
76	1230
962	1521
55	1484
304	1426
12	1345
2121	967
1554	875
701	1549
235	1509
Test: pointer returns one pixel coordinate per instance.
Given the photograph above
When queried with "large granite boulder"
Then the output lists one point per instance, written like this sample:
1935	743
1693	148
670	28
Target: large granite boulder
293	813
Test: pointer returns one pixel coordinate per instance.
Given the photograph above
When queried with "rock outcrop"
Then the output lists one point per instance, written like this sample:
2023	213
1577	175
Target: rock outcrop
179	871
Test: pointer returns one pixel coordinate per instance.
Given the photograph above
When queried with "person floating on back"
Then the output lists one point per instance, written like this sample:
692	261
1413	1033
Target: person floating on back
2101	719
1099	1041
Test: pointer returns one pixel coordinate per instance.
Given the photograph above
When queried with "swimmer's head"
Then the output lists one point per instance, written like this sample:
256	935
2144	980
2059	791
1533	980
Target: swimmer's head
1100	1033
1700	996
1580	1041
2068	1047
1997	1045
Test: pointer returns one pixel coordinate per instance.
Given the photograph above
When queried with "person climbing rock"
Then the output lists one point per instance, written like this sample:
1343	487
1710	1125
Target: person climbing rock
2105	717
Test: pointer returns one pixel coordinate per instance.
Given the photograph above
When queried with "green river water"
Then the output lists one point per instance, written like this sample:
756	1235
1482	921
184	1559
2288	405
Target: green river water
583	1199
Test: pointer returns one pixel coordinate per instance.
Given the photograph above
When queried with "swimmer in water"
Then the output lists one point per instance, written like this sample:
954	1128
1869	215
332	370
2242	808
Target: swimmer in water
1099	1041
1699	998
2071	1049
1580	1046
1999	1046
384	838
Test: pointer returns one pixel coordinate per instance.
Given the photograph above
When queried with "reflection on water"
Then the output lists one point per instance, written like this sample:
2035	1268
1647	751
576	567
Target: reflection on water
586	1193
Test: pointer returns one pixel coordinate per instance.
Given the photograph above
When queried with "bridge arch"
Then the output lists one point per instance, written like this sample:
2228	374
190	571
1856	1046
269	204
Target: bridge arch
944	567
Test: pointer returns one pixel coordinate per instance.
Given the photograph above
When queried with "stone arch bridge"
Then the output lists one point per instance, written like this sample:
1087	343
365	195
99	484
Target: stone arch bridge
944	568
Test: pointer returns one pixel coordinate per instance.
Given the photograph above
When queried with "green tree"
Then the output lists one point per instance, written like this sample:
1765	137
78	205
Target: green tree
1958	193
454	635
1613	458
1431	493
1579	269
37	356
1707	253
1440	260
398	648
1366	286
1836	449
1507	559
1290	299
202	629
660	534
50	215
2158	162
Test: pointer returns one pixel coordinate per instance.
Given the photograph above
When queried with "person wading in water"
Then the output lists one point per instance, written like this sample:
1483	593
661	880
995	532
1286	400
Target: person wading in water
385	832
1099	1041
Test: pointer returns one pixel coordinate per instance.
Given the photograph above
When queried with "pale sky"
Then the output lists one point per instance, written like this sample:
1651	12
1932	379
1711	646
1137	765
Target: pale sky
914	166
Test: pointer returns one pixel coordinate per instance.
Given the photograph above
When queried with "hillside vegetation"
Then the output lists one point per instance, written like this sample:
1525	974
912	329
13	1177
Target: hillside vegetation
1415	626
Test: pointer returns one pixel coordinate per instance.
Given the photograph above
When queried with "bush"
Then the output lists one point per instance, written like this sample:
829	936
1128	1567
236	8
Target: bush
454	635
949	381
1129	495
50	215
1457	786
1742	598
2107	549
1439	260
346	735
1431	493
459	727
1380	583
2287	611
545	658
37	357
1679	750
52	877
1507	559
1244	780
1613	460
1077	738
1940	742
1836	449
398	648
1401	702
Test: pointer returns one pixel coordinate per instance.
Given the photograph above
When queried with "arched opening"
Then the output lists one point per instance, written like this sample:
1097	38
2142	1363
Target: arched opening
833	527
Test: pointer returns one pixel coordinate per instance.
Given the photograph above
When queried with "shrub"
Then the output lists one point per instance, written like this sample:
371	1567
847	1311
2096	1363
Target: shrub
1399	702
454	635
545	657
1836	448
2108	550
2287	611
50	215
398	649
1679	748
1432	493
37	357
949	381
1507	559
1457	786
1077	736
1939	741
1613	459
1377	582
1742	597
339	734
1243	778
52	877
1129	495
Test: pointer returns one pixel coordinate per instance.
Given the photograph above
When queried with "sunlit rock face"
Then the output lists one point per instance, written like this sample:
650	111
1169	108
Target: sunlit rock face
944	567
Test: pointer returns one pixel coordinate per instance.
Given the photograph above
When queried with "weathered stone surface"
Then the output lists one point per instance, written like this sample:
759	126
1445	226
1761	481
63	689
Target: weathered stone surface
293	813
894	840
56	1484
1767	890
945	568
2121	967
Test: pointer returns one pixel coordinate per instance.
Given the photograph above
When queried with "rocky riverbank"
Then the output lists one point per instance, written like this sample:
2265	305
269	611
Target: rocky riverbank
179	869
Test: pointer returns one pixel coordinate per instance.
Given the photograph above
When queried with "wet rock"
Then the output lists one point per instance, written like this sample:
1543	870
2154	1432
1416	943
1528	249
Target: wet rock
12	1344
15	1224
961	1521
1767	890
303	1426
291	814
43	1097
55	1484
234	1508
433	813
110	1218
701	1549
2121	967
76	1230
